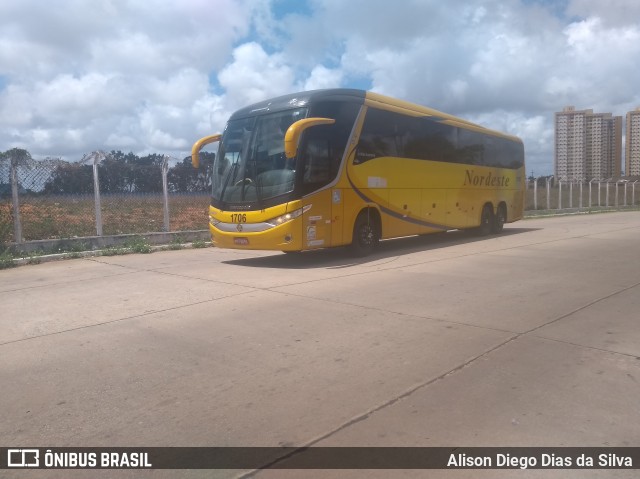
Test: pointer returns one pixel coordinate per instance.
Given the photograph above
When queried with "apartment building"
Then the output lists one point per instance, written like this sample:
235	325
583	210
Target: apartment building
587	145
632	144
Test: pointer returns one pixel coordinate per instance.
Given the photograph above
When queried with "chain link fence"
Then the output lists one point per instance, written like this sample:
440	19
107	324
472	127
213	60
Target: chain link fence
547	194
104	194
6	216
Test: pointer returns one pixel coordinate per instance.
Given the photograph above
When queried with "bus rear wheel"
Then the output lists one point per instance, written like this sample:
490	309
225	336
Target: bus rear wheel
366	234
500	219
487	221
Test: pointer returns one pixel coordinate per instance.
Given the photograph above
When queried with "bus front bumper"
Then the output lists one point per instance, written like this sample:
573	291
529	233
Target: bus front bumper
286	237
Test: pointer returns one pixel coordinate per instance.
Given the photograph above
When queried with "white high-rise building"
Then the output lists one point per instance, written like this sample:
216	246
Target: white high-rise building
588	145
632	145
571	144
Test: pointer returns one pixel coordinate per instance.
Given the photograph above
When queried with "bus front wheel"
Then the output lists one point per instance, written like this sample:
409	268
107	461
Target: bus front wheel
366	234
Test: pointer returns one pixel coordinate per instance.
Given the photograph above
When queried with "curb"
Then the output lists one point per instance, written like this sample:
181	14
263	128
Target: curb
48	258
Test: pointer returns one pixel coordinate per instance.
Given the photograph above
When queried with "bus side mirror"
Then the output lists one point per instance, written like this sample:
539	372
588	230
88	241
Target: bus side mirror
292	136
197	146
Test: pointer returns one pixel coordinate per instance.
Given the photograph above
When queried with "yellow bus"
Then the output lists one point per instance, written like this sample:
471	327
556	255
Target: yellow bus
341	167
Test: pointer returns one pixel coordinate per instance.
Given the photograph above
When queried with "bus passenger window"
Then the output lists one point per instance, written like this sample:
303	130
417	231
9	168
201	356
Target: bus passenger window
317	162
471	150
379	137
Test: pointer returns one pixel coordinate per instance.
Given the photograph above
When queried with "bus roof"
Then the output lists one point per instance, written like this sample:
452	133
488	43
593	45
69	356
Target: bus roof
297	100
375	100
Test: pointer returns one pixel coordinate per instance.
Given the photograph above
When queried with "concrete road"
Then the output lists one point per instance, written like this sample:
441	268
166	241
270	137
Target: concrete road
530	338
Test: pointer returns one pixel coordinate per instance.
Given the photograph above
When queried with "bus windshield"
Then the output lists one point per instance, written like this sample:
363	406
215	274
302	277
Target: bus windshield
251	165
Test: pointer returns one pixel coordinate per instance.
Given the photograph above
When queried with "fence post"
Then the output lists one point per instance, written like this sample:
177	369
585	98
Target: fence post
607	205
535	194
571	194
17	224
97	156
599	195
580	203
560	194
633	193
625	193
165	191
548	193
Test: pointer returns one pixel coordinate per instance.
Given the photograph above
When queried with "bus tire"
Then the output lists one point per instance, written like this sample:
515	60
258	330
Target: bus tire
366	234
486	221
500	219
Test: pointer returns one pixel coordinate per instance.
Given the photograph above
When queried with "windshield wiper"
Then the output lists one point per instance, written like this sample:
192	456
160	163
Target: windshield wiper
232	174
257	184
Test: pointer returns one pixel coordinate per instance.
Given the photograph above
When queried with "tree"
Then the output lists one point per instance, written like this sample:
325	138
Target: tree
17	155
129	173
542	180
116	172
184	178
147	174
68	178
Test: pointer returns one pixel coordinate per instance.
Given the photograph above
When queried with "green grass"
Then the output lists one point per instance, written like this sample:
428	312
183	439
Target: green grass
138	245
176	244
6	260
133	245
113	251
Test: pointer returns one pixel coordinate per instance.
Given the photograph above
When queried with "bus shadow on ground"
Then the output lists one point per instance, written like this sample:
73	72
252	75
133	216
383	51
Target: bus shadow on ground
334	258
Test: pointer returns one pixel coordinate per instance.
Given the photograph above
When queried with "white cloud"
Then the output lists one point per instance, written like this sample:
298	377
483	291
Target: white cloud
181	89
323	77
614	13
495	59
605	57
78	76
254	75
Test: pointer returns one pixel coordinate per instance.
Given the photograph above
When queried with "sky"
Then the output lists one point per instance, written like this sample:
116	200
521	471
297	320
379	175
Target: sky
153	76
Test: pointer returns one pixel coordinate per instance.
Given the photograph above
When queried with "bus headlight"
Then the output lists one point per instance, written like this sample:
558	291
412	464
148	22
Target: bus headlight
280	220
213	221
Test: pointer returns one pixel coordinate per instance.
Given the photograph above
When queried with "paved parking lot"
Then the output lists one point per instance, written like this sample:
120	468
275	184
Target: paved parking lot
531	338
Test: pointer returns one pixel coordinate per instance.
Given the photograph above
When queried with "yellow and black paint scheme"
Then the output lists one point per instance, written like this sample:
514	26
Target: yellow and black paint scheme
400	194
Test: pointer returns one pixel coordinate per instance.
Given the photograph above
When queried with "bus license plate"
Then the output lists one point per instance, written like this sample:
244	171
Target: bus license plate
241	241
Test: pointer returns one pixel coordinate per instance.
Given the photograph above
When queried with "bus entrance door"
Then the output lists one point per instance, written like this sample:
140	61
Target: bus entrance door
317	233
